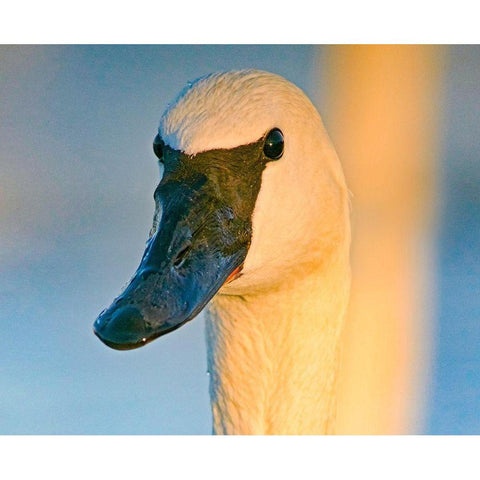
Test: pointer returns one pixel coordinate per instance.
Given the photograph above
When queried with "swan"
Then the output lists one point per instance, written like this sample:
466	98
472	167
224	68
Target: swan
252	225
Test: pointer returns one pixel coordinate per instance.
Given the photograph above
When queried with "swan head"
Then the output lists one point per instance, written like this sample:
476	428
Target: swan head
251	191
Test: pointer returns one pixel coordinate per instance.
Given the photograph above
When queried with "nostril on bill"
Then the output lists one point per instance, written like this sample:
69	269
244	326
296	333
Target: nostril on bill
181	256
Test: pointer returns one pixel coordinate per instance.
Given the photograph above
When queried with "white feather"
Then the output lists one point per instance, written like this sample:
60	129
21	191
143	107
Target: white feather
273	333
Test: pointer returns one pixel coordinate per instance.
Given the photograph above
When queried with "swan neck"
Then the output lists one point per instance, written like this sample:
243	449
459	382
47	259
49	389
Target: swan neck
273	357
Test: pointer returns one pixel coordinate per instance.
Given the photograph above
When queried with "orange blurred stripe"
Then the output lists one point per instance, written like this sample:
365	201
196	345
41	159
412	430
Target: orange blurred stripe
383	116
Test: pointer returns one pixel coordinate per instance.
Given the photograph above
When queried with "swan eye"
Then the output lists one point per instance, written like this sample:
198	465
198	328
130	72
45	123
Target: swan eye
158	146
273	146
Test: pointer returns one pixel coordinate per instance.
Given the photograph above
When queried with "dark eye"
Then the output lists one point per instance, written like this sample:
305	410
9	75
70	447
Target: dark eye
158	146
273	147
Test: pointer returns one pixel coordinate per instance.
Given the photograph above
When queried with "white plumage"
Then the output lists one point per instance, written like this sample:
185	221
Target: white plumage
273	333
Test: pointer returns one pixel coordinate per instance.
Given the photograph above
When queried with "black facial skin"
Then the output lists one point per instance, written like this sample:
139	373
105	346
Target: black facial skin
204	234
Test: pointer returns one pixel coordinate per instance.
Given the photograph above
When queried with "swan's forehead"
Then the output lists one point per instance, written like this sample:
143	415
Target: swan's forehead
229	109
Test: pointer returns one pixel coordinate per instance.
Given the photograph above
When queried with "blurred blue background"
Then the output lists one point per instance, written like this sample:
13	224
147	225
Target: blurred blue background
454	403
76	184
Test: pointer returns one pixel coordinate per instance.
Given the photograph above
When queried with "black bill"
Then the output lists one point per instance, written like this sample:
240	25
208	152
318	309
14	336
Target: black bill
204	206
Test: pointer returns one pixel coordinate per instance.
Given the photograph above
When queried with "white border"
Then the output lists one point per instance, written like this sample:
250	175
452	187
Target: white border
249	21
178	457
